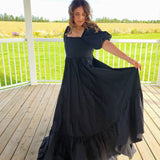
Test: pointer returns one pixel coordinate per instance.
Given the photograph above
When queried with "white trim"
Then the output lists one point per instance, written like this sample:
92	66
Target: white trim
136	40
48	39
13	86
7	40
113	40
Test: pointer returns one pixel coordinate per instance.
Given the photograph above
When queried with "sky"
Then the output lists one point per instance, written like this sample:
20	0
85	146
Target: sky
58	9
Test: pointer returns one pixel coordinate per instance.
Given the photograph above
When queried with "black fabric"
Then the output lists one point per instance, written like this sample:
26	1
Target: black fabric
99	110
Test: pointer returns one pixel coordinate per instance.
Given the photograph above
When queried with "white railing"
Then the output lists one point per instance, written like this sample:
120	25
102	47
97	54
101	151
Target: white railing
51	62
13	62
50	56
50	59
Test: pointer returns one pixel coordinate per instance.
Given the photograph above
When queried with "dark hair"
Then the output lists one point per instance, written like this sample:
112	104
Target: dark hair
88	23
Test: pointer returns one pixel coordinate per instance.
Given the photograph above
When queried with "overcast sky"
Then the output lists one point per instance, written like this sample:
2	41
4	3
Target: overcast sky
58	9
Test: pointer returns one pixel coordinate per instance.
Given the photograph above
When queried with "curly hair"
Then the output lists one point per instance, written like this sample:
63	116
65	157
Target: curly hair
88	23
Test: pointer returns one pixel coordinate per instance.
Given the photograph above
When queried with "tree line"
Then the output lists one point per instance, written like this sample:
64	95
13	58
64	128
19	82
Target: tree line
6	17
114	20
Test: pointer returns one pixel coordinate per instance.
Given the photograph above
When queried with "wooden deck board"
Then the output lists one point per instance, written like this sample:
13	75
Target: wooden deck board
26	116
5	95
11	121
41	128
10	101
16	138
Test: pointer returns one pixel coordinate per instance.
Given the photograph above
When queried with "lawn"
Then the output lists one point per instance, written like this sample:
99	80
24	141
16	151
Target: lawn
48	29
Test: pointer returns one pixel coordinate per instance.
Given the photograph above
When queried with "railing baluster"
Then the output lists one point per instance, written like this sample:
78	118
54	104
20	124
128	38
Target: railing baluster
135	51
145	60
25	61
20	62
49	59
97	54
39	62
103	56
130	52
155	62
4	70
113	58
10	74
108	57
150	62
60	60
55	61
140	53
125	53
15	69
44	61
118	57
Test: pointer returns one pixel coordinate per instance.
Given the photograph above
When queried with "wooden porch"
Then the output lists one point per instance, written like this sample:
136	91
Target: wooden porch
26	115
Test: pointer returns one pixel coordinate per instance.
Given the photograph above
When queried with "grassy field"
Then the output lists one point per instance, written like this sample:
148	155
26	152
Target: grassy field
56	29
51	69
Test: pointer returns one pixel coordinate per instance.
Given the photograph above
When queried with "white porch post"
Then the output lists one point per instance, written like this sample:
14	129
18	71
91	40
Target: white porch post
30	41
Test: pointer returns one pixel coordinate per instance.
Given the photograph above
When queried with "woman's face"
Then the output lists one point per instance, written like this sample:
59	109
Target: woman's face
79	16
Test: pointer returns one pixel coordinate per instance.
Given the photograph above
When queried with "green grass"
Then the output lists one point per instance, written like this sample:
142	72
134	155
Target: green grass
57	74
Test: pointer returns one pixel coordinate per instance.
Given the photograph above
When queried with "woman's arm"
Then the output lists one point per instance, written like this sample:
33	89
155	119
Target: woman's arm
111	48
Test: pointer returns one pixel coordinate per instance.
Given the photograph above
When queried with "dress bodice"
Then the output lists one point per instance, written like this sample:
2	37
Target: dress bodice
84	46
76	47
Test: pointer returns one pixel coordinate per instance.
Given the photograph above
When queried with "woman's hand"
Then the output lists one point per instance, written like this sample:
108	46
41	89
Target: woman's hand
135	63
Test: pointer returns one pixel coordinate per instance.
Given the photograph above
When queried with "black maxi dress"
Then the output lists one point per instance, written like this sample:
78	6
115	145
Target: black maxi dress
99	110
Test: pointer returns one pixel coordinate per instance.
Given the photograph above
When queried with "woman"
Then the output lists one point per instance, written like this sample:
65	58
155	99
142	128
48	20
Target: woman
99	111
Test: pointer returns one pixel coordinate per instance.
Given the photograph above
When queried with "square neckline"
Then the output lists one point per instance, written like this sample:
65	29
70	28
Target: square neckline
80	36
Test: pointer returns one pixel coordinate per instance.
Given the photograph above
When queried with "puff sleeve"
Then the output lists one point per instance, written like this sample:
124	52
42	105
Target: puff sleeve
96	39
